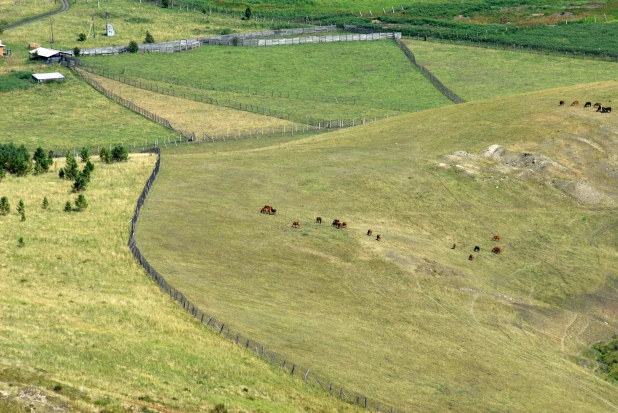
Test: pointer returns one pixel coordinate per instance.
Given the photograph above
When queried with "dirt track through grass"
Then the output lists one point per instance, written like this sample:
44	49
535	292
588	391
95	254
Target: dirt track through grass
394	317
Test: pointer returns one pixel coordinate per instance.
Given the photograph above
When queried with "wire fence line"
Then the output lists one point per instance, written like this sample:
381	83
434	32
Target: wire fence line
310	123
235	41
305	373
434	80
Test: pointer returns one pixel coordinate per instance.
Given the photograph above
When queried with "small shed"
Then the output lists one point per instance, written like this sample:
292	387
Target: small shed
47	55
48	77
110	30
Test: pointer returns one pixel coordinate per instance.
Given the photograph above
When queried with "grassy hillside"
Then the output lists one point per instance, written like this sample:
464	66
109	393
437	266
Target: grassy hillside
408	319
81	320
73	115
353	72
12	11
131	21
476	73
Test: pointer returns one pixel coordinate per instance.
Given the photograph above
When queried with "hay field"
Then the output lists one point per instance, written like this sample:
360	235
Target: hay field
408	319
12	11
79	315
477	73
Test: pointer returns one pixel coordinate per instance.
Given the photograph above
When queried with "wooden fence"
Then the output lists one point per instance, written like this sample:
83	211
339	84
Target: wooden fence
235	41
305	373
434	80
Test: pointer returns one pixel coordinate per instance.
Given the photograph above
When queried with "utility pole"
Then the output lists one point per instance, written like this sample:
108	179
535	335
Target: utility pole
51	26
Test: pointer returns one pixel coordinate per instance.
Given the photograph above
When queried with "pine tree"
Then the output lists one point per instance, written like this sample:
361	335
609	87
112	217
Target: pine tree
104	155
67	207
42	160
81	203
5	206
45	204
84	154
21	209
71	170
149	38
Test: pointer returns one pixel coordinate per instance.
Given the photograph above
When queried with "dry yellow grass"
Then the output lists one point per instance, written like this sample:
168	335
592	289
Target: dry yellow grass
190	116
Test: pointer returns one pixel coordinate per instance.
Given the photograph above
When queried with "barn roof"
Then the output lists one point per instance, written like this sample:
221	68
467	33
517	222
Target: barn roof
48	76
43	52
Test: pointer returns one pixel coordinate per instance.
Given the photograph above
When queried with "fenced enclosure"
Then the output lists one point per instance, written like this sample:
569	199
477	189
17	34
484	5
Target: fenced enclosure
234	41
305	373
310	124
434	80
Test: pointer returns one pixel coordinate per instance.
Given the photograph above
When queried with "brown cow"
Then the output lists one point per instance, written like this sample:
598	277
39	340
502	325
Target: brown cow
318	220
335	223
454	246
587	104
575	103
600	108
273	211
597	105
496	238
339	225
369	232
344	225
266	209
471	257
561	103
496	250
378	238
606	109
477	249
295	224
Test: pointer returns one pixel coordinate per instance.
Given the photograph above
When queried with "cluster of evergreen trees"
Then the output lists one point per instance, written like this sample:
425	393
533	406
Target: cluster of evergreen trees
17	160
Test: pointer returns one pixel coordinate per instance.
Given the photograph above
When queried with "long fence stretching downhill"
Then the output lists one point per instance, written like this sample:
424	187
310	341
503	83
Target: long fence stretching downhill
303	372
434	80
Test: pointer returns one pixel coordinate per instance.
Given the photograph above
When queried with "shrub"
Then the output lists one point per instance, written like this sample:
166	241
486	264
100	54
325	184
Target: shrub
21	209
133	47
2	173
67	207
149	38
50	157
21	243
235	41
104	155
5	206
15	160
120	154
247	13
81	203
219	408
61	173
88	168
165	4
80	184
45	203
84	154
225	31
81	37
71	170
41	159
76	51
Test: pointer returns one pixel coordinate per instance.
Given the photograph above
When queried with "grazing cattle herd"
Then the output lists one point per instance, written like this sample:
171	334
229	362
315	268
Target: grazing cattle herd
267	209
599	106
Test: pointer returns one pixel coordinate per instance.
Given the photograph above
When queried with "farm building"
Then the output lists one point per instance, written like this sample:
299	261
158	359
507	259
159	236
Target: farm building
4	51
48	77
47	55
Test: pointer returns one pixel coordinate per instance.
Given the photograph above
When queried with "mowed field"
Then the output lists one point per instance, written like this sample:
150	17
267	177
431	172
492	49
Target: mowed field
82	324
73	115
407	319
368	76
477	73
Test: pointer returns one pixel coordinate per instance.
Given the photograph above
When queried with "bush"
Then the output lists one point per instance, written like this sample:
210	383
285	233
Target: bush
84	154
104	155
149	38
21	209
5	206
45	203
81	203
88	168
42	160
21	243
76	51
133	47
80	184
67	207
165	4
2	173
81	37
219	408
225	31
15	160
71	170
247	13
120	154
61	173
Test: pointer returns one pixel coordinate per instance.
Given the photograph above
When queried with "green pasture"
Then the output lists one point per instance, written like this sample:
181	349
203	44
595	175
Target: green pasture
62	116
369	74
81	319
408	319
477	73
12	11
131	20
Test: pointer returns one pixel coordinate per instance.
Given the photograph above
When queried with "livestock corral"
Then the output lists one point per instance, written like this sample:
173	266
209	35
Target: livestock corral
368	225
